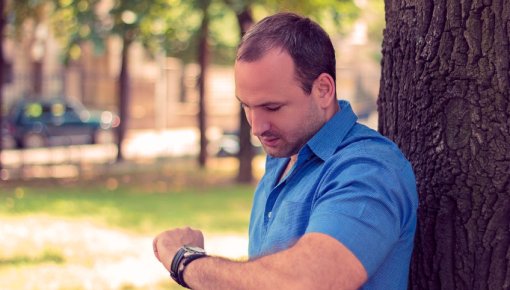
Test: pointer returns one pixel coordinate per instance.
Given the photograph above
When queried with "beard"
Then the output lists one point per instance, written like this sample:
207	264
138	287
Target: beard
290	143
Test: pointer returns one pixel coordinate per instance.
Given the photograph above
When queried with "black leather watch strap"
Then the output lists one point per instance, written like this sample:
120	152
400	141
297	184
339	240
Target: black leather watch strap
185	263
174	266
182	258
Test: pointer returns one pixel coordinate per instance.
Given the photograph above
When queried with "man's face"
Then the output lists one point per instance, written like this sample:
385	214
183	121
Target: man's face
279	112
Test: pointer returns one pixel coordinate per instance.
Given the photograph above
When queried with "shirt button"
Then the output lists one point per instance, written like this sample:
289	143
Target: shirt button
269	214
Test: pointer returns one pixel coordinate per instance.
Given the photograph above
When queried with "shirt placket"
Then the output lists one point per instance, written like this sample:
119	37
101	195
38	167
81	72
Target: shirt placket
275	192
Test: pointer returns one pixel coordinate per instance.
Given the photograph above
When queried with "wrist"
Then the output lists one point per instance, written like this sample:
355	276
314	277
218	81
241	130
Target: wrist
183	257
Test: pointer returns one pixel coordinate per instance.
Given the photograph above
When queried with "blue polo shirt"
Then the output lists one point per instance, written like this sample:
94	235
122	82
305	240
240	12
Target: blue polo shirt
348	182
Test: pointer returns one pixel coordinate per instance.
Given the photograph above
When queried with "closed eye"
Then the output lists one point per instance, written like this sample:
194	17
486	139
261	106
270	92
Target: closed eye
273	108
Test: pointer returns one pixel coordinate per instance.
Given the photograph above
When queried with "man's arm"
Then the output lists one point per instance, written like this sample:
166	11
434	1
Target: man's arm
316	261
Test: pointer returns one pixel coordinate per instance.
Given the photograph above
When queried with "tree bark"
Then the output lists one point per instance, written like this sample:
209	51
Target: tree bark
445	100
124	96
246	150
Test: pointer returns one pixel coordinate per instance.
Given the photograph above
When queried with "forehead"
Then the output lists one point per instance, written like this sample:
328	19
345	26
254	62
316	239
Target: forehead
269	75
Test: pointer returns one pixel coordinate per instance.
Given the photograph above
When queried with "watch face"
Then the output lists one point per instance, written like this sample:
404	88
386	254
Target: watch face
193	249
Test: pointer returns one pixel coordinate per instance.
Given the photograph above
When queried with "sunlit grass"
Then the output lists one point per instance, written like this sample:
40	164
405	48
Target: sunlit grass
47	256
143	199
223	208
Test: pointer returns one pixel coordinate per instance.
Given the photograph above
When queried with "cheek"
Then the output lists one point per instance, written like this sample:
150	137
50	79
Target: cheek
302	124
287	126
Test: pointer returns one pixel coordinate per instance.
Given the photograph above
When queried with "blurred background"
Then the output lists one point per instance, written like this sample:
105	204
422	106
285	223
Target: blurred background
119	120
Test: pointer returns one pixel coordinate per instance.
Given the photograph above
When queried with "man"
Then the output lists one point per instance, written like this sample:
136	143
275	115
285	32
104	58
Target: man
336	207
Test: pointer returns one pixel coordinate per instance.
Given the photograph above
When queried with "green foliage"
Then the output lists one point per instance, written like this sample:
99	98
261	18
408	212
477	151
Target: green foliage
375	10
165	25
224	33
18	11
216	208
156	24
75	22
336	16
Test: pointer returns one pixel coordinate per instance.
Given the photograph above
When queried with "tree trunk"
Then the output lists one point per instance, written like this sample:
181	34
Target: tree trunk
203	60
445	100
246	150
124	96
38	51
37	78
2	76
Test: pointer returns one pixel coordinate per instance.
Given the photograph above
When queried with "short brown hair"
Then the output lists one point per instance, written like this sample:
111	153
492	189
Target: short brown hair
306	42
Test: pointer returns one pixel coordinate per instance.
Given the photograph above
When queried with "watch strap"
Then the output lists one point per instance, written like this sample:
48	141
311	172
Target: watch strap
174	266
182	258
185	263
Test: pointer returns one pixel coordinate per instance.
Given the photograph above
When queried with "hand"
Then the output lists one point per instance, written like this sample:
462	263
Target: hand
167	243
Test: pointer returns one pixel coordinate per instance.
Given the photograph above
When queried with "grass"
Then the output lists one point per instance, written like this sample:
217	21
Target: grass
144	201
218	209
48	256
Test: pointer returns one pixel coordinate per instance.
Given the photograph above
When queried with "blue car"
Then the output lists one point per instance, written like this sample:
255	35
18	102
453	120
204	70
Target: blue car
58	122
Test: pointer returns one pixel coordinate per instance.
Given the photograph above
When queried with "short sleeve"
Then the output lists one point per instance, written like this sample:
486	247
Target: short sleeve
361	203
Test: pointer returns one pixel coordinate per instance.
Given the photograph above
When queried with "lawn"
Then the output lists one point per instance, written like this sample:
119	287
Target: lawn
97	230
223	208
142	201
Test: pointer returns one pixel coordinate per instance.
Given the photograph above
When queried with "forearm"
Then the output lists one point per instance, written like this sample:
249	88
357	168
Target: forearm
299	267
271	272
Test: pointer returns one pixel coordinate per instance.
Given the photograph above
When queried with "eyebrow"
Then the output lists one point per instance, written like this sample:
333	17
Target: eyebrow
270	103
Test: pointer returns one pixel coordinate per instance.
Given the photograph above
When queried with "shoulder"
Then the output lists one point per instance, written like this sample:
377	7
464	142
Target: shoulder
363	145
370	165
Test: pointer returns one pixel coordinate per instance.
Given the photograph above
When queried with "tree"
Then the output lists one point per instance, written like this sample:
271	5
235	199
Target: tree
246	152
445	100
2	71
200	36
37	11
75	22
128	17
151	23
154	24
203	62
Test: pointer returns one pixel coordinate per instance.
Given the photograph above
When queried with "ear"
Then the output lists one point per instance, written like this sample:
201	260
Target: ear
324	90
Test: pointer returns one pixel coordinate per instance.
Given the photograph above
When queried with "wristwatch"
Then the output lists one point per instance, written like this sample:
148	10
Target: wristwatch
185	255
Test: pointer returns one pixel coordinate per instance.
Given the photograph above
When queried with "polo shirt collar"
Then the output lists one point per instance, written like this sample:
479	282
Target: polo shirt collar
326	141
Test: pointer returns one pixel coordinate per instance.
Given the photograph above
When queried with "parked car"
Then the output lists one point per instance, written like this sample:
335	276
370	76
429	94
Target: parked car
57	122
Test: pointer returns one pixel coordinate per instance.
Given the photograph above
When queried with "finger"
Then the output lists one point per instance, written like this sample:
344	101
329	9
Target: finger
155	247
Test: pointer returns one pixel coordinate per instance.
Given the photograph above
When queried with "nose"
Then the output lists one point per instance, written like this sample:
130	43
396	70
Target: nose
258	122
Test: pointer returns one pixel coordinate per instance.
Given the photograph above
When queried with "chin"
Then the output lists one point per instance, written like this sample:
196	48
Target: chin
273	153
282	151
277	154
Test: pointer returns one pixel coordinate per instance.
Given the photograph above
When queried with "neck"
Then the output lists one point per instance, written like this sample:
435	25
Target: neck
291	162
